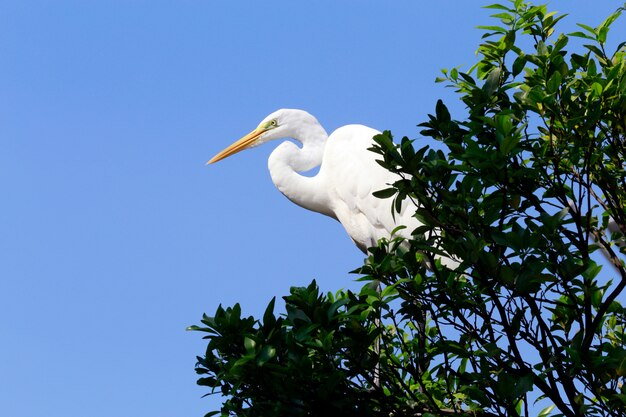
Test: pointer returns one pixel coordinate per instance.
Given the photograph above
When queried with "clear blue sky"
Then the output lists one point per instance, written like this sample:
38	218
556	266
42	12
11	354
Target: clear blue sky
114	236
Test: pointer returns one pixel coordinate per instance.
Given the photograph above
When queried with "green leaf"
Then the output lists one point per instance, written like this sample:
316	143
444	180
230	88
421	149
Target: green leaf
580	60
332	310
603	29
596	297
269	311
269	320
582	35
523	385
249	344
597	51
589	29
386	193
267	354
497	7
468	79
497	29
518	65
560	43
596	90
454	74
541	48
554	83
546	411
503	124
504	17
509	143
385	140
509	39
443	115
492	82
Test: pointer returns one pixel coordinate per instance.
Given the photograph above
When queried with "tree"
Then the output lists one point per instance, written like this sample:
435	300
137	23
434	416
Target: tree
530	197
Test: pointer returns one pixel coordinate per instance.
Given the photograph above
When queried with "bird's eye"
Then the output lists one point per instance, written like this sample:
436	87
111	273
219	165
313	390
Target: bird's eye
270	125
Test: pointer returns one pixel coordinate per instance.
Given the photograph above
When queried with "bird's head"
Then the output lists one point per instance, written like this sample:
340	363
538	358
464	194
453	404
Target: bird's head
274	126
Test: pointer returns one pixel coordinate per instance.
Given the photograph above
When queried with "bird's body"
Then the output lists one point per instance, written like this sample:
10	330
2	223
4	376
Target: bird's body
342	189
348	174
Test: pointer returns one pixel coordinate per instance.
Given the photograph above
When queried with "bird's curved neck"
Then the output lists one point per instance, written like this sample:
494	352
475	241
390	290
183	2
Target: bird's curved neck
288	161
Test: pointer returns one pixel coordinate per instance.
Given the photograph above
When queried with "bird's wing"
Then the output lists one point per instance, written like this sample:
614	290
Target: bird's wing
352	174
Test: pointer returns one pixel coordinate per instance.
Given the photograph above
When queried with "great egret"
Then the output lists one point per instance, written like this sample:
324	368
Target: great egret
348	174
342	189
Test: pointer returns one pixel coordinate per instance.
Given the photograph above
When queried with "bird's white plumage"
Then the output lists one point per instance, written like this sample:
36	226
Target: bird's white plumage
351	175
347	177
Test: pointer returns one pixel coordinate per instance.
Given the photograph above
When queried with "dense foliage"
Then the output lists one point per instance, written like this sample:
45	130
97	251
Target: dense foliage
530	198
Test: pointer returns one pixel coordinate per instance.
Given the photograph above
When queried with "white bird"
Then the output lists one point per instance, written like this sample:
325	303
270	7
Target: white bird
347	177
342	189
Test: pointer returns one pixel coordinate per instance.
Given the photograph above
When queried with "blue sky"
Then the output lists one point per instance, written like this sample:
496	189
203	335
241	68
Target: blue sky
114	236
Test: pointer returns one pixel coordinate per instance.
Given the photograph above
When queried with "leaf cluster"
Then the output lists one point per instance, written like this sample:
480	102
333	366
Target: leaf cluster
530	197
529	201
317	359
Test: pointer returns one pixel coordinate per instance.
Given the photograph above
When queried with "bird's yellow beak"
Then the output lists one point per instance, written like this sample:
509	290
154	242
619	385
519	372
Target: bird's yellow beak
238	146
